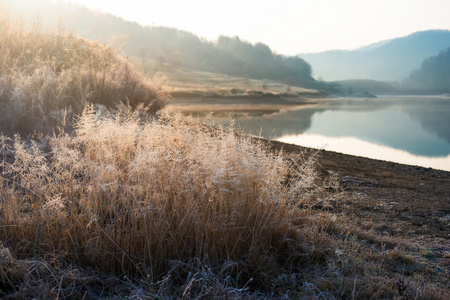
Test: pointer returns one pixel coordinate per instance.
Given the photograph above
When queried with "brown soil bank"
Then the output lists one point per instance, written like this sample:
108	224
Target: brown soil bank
403	201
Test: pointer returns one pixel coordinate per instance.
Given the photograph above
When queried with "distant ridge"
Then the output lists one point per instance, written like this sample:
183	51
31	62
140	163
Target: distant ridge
433	77
164	46
389	60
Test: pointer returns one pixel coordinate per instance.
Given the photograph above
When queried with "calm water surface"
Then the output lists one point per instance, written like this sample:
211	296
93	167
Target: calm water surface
412	130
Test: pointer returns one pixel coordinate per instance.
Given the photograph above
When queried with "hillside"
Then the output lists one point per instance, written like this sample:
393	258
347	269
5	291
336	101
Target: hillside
47	77
228	55
390	60
359	86
433	76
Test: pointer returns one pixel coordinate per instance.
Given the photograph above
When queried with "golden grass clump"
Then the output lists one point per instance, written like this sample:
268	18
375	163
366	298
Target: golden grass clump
46	77
129	197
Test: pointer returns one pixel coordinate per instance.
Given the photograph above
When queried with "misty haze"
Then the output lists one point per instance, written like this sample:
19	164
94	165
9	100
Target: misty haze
224	149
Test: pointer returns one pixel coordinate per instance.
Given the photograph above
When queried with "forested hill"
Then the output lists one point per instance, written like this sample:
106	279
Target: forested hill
228	55
390	60
433	76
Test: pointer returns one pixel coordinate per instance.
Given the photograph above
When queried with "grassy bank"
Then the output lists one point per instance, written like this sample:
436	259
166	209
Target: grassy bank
190	84
46	77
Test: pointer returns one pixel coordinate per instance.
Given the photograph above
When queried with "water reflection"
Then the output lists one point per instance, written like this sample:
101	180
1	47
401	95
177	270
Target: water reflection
433	115
413	130
358	147
390	127
299	120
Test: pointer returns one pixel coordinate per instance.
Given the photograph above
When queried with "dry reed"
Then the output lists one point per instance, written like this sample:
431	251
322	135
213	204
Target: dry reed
47	76
129	198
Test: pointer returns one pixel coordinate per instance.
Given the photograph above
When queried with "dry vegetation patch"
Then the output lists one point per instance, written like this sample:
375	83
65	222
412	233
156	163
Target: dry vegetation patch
129	197
46	77
169	208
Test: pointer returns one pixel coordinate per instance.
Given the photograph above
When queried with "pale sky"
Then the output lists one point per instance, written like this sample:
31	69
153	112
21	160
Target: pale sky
287	26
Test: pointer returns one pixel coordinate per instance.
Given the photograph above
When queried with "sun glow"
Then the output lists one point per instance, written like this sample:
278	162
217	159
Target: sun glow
290	26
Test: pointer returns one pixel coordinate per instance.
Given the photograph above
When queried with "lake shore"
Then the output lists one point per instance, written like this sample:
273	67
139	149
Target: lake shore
400	202
231	107
266	104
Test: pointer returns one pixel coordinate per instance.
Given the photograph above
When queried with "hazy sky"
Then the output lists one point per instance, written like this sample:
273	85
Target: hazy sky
288	26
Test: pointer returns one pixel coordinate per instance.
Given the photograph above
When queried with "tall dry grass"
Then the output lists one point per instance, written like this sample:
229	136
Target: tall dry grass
129	198
47	76
169	208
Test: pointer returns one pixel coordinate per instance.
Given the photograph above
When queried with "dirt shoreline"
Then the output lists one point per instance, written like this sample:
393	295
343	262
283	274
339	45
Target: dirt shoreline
235	104
392	199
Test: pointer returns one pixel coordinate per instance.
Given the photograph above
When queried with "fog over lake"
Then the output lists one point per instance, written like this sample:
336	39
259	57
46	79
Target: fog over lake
411	129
